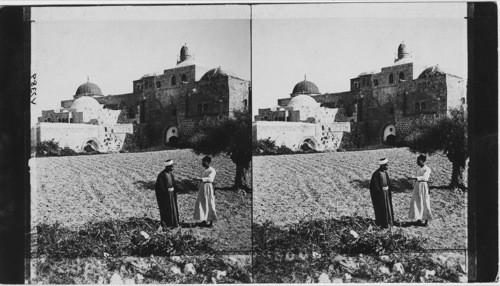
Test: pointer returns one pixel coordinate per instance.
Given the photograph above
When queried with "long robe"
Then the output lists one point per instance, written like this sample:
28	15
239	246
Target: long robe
420	204
382	199
204	209
166	195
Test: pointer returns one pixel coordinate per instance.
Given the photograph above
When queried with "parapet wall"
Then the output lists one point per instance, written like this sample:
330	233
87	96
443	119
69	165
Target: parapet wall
107	138
322	137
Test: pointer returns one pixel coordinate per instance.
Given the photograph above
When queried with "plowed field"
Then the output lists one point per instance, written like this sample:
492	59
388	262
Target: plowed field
323	185
80	189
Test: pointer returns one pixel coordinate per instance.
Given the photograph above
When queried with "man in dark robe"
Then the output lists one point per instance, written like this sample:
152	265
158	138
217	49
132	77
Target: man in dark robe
380	191
166	195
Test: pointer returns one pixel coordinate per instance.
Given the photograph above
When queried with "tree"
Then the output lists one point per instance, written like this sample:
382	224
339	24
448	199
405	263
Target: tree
231	136
446	135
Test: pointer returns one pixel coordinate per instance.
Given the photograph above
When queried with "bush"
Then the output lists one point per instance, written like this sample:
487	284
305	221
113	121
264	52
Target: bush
268	147
330	235
66	151
48	148
352	141
117	238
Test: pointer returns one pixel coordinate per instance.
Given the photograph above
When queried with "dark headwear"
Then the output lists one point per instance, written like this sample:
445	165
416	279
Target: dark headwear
422	158
207	159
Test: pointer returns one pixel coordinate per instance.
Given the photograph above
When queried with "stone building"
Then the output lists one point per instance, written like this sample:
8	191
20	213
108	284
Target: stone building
167	106
84	124
302	123
382	105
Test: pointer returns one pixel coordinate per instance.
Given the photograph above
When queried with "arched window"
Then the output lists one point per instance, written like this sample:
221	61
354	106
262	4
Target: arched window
375	82
173	80
184	77
401	75
158	84
391	78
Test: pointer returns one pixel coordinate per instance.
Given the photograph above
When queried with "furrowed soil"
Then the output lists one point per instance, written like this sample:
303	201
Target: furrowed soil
289	188
76	190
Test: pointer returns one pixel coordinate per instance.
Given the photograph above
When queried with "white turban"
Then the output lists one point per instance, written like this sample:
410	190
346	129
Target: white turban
383	161
169	162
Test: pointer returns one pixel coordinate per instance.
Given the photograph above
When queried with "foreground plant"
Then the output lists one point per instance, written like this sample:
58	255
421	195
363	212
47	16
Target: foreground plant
117	238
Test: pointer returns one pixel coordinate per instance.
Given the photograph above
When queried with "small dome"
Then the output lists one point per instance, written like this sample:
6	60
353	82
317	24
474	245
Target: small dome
303	101
85	102
402	52
216	72
88	89
185	54
431	71
305	87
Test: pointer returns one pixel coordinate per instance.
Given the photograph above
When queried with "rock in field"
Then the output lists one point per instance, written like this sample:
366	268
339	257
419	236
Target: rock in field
115	279
346	277
316	255
427	273
323	278
175	270
384	270
398	268
384	258
220	274
189	269
176	259
139	278
462	278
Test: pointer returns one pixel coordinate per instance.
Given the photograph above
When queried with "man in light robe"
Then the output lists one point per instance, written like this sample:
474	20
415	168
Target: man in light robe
381	194
166	195
204	209
420	204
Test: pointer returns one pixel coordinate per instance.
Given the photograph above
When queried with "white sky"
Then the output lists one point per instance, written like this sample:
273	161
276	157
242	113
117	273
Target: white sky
115	45
332	43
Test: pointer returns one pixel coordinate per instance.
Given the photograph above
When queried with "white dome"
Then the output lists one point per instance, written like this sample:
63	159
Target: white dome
86	102
303	101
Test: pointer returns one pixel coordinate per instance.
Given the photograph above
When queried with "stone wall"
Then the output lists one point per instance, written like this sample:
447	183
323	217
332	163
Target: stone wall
108	138
455	92
239	91
324	137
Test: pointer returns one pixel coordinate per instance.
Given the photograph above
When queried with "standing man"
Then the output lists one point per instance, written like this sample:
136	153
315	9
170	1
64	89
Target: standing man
380	191
420	204
204	209
166	195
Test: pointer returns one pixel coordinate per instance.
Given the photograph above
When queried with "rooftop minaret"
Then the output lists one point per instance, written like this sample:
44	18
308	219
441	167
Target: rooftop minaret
185	54
402	52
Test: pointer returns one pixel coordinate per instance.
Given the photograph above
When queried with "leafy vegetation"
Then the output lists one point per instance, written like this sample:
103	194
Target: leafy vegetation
268	147
117	238
446	135
332	235
51	148
231	136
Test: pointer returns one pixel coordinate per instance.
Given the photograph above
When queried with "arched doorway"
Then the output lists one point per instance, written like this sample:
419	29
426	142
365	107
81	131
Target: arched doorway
308	144
171	135
389	133
91	145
